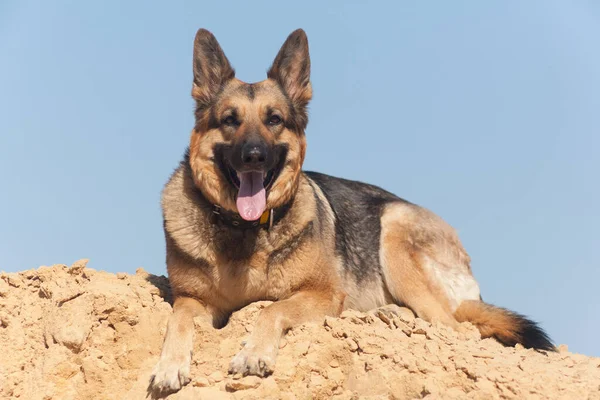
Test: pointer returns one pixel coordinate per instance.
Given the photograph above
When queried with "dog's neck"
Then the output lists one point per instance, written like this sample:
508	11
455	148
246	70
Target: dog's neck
267	220
232	219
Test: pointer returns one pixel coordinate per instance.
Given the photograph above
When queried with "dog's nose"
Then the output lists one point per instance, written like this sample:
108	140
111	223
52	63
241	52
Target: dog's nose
254	155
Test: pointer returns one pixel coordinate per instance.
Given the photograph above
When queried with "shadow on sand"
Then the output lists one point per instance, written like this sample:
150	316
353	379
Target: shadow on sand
162	283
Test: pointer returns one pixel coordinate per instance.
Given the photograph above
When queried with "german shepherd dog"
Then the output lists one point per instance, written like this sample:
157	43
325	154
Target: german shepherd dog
244	223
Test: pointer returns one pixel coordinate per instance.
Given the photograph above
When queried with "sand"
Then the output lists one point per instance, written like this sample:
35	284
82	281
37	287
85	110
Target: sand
77	333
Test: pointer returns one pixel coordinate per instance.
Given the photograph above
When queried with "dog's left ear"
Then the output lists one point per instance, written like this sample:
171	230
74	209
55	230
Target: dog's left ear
291	68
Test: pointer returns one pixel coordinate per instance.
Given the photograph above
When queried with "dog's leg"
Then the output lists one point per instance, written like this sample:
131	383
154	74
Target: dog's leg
173	369
409	287
406	269
260	351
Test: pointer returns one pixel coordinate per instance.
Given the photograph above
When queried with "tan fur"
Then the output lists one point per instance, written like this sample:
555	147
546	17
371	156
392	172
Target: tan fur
286	186
490	321
419	252
304	306
173	369
412	237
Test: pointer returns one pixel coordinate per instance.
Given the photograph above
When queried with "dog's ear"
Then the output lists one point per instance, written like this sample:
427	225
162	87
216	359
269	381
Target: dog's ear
211	67
291	68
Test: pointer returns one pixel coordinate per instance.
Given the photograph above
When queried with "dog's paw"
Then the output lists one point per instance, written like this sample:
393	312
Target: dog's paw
169	375
250	362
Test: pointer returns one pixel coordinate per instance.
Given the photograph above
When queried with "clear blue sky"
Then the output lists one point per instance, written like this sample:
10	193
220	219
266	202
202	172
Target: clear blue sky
488	113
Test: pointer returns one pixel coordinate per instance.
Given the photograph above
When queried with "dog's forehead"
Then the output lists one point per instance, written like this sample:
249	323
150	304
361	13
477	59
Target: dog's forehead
241	94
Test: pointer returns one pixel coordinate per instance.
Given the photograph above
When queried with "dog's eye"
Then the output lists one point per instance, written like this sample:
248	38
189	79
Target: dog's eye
229	121
275	120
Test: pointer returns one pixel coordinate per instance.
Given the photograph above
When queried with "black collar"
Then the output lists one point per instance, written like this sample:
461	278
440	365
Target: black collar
267	220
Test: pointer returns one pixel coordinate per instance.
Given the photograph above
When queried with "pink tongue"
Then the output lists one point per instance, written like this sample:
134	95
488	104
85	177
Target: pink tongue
252	199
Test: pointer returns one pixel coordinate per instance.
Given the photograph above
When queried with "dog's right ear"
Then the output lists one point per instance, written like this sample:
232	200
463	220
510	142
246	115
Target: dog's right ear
211	68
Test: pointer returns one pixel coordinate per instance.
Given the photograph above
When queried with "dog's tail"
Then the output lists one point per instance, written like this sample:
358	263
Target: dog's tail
506	326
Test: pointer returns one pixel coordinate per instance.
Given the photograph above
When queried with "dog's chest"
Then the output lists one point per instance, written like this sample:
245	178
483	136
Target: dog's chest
243	281
240	267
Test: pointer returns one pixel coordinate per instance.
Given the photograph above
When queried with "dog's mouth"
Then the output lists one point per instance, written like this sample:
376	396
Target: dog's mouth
235	178
252	186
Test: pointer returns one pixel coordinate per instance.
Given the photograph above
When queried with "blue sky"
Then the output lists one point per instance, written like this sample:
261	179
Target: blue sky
485	112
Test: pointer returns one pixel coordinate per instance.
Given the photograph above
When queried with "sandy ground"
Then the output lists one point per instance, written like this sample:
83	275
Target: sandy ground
77	333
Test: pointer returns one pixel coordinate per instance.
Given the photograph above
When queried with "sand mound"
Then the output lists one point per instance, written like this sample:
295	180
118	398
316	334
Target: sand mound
77	333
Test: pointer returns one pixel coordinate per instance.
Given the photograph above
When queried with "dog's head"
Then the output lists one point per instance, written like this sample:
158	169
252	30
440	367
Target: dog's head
248	144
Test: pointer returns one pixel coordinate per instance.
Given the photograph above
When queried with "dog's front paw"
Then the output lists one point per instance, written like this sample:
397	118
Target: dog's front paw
252	362
170	375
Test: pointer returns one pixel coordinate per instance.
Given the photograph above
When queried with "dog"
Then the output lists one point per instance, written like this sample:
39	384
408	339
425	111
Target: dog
243	222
